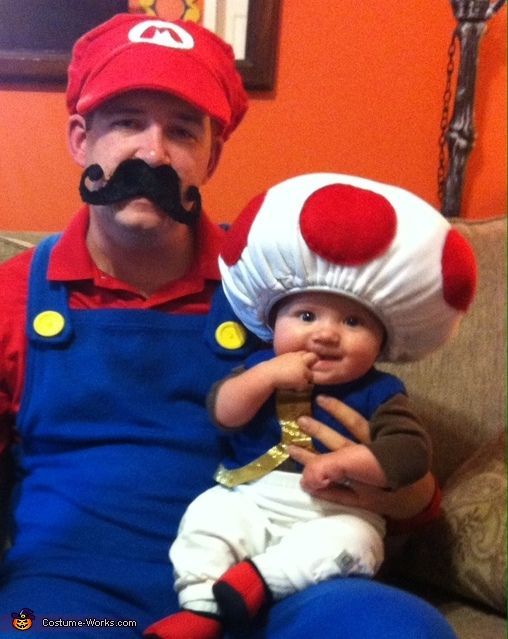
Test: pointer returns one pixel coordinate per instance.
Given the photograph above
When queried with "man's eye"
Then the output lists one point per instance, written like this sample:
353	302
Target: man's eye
126	123
181	133
307	316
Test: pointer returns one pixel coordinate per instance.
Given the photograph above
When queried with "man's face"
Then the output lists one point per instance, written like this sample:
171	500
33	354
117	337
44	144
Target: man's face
157	128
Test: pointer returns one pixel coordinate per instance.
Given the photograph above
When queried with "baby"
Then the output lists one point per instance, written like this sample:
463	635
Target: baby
336	272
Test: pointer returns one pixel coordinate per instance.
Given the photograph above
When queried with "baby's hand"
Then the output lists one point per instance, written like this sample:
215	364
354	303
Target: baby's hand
344	467
321	471
292	371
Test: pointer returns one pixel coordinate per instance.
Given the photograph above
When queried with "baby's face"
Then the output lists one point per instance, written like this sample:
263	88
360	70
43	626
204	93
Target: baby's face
345	335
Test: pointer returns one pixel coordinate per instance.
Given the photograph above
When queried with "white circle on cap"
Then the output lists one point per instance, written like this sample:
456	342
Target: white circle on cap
165	34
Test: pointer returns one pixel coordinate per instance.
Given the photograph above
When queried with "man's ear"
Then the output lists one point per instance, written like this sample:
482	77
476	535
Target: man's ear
215	154
77	138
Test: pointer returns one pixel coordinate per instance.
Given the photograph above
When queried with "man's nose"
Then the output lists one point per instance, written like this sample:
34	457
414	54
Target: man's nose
154	149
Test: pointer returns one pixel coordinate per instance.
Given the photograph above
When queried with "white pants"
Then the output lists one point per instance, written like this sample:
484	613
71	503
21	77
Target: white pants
294	539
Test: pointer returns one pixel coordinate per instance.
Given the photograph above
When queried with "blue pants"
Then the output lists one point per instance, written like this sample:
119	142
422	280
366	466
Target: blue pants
353	607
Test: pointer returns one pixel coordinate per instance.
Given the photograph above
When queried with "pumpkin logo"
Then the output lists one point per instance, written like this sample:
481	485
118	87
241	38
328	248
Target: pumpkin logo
23	619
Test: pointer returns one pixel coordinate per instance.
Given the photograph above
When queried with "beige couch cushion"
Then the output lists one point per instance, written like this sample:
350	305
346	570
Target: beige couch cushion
460	389
460	393
465	550
12	243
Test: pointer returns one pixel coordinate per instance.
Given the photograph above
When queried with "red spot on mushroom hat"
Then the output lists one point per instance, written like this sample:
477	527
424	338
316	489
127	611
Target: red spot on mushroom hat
376	243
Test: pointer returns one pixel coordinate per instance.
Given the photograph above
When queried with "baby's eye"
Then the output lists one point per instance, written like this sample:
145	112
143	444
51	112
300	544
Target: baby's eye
307	316
352	320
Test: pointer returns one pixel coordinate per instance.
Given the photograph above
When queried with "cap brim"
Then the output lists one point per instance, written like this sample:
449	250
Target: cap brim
140	67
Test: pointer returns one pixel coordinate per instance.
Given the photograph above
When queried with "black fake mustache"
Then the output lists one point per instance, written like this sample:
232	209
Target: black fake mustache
136	178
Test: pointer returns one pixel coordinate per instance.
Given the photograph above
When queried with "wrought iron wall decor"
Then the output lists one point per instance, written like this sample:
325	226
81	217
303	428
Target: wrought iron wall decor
458	134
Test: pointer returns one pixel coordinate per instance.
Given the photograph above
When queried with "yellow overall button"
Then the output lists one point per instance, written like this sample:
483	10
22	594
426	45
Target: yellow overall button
231	335
48	323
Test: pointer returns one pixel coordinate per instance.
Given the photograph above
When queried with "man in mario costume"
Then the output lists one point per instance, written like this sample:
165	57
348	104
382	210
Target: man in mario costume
111	335
336	272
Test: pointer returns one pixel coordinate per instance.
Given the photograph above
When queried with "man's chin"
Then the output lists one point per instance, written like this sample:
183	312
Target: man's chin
139	215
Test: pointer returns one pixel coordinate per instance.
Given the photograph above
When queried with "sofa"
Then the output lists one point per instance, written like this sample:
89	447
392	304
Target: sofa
458	562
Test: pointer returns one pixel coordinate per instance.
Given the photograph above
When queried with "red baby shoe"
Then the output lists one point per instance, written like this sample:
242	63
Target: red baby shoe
185	625
241	594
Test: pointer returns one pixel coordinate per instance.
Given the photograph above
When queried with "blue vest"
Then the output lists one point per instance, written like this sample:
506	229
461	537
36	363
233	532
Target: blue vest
364	395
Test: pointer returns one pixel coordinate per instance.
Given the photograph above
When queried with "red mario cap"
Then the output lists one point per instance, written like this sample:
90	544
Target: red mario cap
129	52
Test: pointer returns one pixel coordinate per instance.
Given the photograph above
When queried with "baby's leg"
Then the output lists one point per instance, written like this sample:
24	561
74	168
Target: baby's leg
313	551
219	529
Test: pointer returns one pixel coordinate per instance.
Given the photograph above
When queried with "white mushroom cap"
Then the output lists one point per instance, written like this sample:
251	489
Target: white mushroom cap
375	243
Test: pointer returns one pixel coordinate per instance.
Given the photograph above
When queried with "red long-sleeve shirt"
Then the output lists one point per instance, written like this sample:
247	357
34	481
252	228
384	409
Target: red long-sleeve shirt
90	288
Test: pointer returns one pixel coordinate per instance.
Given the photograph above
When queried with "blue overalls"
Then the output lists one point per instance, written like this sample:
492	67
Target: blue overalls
115	442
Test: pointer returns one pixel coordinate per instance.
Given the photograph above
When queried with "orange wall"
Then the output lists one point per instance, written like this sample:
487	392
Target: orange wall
359	90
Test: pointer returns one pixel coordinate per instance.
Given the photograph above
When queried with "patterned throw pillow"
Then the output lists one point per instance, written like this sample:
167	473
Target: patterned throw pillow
465	550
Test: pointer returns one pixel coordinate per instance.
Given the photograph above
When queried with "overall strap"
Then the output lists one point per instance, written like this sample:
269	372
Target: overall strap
48	315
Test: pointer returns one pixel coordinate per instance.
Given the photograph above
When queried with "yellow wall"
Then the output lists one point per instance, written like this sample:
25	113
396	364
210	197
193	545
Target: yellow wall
359	90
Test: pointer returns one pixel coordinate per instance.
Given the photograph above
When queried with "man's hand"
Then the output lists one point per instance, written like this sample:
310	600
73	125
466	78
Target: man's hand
402	504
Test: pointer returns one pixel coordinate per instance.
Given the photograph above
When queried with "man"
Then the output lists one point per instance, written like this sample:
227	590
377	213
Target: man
110	338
